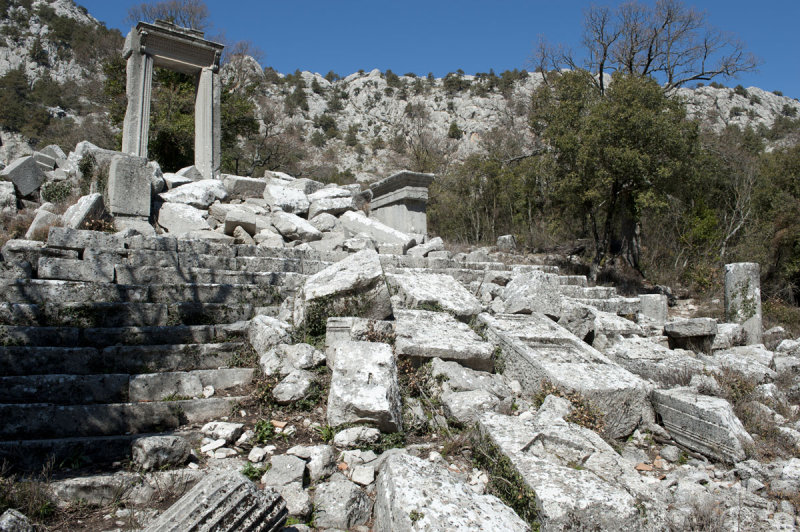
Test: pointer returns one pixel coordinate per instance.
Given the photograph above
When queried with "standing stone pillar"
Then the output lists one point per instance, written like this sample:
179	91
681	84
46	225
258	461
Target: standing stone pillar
139	70
207	125
743	298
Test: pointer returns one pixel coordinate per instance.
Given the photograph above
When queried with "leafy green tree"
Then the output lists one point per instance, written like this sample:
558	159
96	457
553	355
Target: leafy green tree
616	153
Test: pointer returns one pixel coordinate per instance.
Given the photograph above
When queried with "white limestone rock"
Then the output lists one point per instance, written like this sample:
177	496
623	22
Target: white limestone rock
200	194
86	208
244	187
293	387
333	206
456	378
222	430
356	222
191	173
651	360
288	199
414	494
355	284
154	452
41	222
320	460
8	198
341	504
329	193
293	227
265	332
422	334
533	291
178	218
422	250
325	222
364	387
356	437
284	470
419	290
466	407
25	173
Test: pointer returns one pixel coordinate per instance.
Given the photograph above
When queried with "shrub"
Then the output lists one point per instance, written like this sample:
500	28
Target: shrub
56	191
393	80
454	132
741	91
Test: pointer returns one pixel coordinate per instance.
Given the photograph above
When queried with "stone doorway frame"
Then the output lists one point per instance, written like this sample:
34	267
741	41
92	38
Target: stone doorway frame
181	50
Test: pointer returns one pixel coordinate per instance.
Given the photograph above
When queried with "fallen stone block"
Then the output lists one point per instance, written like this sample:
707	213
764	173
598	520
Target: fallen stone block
432	291
199	194
353	286
191	173
224	501
320	460
533	291
87	208
66	238
753	362
596	327
655	307
421	335
283	359
456	378
41	224
129	186
178	218
414	494
293	227
696	334
155	452
75	270
466	407
174	180
8	198
743	298
333	206
506	244
364	387
244	187
308	186
26	174
536	350
287	199
285	470
265	332
578	480
294	387
341	504
324	222
240	218
422	250
702	423
728	335
356	222
652	361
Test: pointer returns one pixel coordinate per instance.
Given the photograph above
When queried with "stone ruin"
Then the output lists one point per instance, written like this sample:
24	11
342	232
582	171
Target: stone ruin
163	44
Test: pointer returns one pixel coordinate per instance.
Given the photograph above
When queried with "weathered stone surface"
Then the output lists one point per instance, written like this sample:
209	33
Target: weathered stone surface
536	350
752	361
595	327
419	290
320	460
285	470
41	224
422	250
244	187
87	208
333	206
743	298
199	194
422	334
178	218
357	222
14	521
364	387
702	423
8	198
652	361
506	243
224	501
298	503
191	173
354	285
655	307
240	218
241	237
287	199
283	359
533	291
129	187
75	270
466	407
329	192
308	186
456	378
293	387
579	480
174	180
728	335
324	222
356	437
265	332
293	227
341	504
154	452
414	494
696	334
223	430
25	173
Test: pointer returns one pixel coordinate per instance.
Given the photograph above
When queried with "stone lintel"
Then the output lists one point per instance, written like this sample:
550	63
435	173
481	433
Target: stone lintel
401	179
173	47
403	195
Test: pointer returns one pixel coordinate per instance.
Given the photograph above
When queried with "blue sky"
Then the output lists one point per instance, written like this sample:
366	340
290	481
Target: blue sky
441	36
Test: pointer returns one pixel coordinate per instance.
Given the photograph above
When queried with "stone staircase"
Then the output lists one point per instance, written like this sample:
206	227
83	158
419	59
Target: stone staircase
114	337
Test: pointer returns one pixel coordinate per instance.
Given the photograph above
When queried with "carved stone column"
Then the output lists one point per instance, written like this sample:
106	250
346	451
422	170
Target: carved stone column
140	77
207	125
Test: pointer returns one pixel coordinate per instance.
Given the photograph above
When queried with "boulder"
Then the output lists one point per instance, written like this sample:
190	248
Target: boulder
284	470
265	332
178	218
283	359
324	222
243	187
364	386
295	386
507	244
432	291
200	194
422	250
287	199
155	452
422	334
293	227
191	173
356	222
334	206
320	460
25	173
15	521
353	286
414	494
223	430
41	223
341	504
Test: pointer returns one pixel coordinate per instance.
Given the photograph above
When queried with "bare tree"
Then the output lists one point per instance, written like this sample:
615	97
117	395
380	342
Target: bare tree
671	42
187	13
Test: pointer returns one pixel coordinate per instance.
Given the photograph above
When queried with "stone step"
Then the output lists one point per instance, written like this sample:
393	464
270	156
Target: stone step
30	455
588	292
41	420
40	291
623	306
573	280
32	360
149	275
86	315
103	337
118	388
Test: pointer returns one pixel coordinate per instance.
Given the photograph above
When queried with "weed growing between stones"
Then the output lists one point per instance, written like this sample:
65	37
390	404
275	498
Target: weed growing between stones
264	431
254	473
31	496
244	357
584	414
326	433
504	480
174	396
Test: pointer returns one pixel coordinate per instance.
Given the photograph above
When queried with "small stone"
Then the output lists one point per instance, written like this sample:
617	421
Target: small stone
670	453
363	474
257	454
213	446
208	391
641	466
224	452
